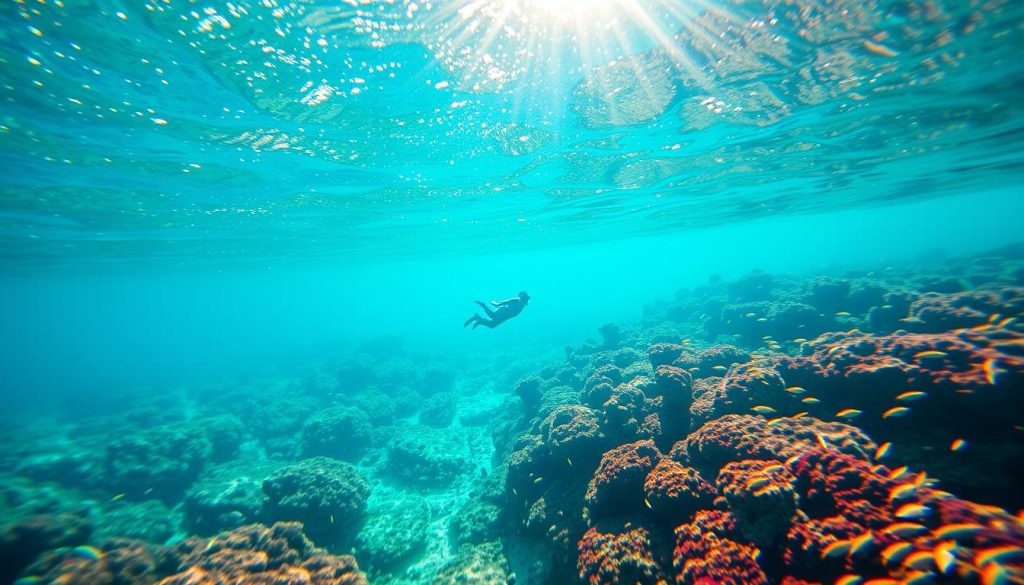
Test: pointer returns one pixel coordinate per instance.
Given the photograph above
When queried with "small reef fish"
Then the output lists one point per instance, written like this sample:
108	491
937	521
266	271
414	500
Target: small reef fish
862	543
838	548
896	552
998	554
849	580
902	491
994	574
795	390
833	349
922	560
758	483
799	340
810	400
963	530
895	411
848	413
883	450
931	353
87	552
843	314
117	497
719	368
908	511
944	557
760	409
911	395
904	529
958	445
898	472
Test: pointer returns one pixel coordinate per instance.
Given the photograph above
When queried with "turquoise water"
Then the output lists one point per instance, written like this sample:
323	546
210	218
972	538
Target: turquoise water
245	199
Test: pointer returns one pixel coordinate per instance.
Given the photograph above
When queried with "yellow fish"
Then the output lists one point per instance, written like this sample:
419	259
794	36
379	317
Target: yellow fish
883	450
838	548
931	353
902	491
958	445
994	574
763	409
833	349
944	557
907	511
799	340
895	412
896	552
904	529
861	543
758	483
842	314
898	472
795	390
957	531
911	395
810	400
848	413
720	368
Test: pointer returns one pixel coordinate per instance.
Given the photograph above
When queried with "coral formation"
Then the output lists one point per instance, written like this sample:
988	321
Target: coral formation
326	495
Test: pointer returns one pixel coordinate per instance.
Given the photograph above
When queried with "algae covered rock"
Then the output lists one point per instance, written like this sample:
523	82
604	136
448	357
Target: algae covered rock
395	532
339	432
328	496
157	463
427	457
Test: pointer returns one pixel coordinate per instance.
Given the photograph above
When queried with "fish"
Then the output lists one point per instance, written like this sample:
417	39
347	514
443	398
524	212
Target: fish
569	461
758	483
719	368
898	472
332	518
922	560
760	409
911	395
994	574
958	445
821	441
991	369
833	349
961	530
117	497
902	491
775	421
776	468
862	543
883	450
849	580
896	552
538	479
1007	321
843	314
930	353
895	411
904	529
848	413
912	511
750	315
799	340
147	492
998	554
799	415
87	552
795	390
838	548
647	503
993	317
944	557
810	400
763	320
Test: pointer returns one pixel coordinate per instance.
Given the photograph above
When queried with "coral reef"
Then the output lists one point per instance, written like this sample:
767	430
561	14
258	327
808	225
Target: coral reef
326	495
427	457
395	532
157	463
340	432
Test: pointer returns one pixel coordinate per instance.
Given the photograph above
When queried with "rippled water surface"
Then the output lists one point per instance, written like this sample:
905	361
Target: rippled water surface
186	131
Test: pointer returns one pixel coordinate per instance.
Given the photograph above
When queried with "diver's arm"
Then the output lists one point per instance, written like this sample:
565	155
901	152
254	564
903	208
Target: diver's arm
505	302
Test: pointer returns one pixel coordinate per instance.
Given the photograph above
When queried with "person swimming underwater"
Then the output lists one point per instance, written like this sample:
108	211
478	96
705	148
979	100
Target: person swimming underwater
504	311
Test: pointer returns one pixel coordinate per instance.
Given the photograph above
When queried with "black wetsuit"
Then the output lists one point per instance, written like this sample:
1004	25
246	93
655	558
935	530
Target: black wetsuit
505	311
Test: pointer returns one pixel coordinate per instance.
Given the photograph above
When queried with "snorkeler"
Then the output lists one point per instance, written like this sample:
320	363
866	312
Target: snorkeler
505	310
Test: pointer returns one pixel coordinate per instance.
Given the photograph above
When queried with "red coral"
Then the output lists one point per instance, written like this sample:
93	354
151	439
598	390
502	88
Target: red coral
935	312
761	499
706	553
617	485
256	554
674	492
737	437
626	557
742	388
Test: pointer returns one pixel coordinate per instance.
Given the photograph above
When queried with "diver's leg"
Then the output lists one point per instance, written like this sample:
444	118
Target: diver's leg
486	323
475	317
486	309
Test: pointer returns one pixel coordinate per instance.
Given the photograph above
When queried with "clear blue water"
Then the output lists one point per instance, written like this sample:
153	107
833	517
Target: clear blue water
197	192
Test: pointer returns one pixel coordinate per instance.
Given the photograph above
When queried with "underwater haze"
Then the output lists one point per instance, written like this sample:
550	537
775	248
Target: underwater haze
772	254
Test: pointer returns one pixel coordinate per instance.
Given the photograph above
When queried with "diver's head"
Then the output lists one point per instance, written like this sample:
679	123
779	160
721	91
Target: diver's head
524	296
